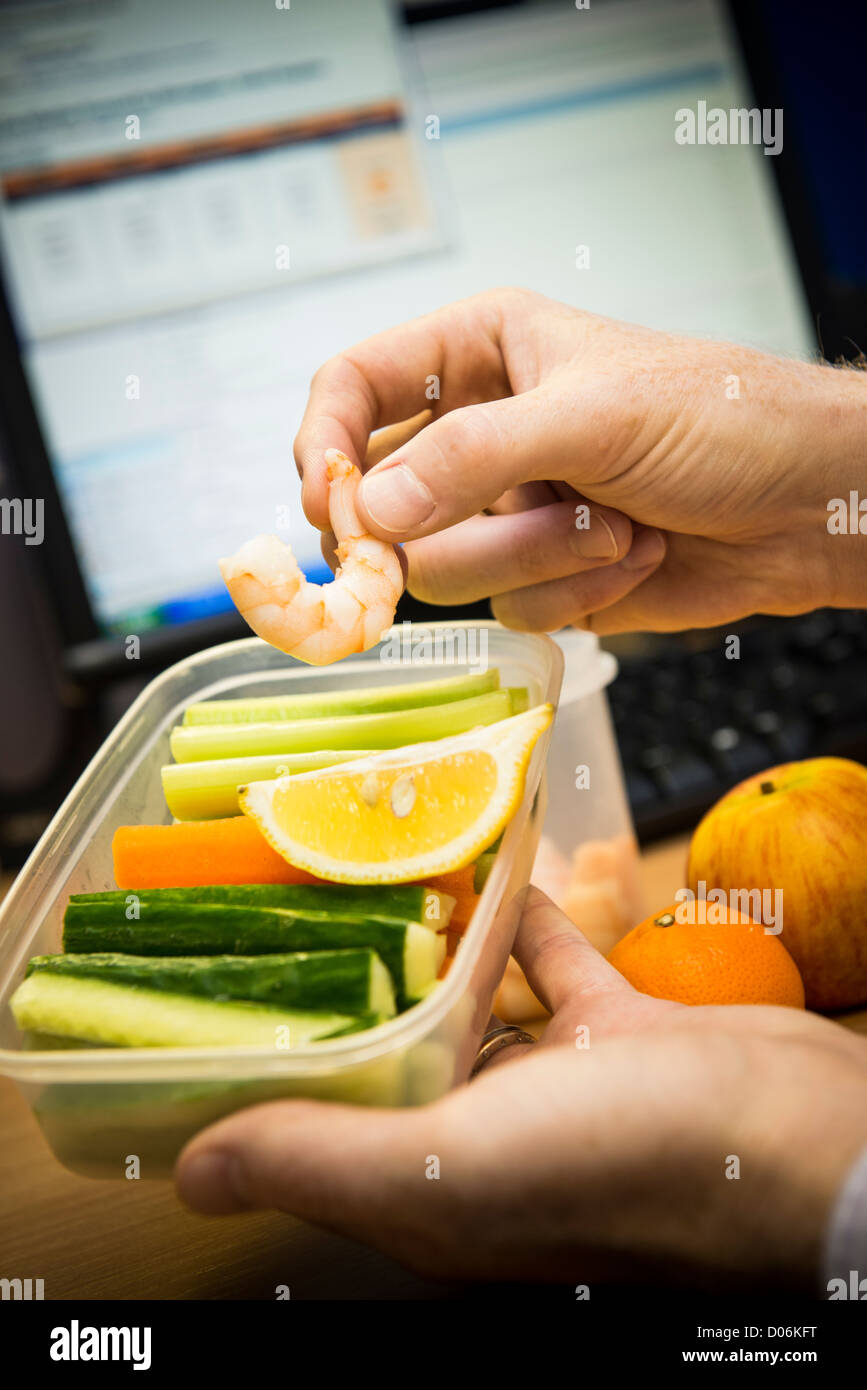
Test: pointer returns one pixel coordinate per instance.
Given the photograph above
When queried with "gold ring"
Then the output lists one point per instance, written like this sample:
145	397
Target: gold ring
495	1040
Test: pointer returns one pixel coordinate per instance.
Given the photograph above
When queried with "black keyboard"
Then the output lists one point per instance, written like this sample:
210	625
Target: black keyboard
692	722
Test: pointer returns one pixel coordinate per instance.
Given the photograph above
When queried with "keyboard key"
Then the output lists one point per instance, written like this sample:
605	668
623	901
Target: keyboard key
807	634
678	773
700	666
842	697
787	736
640	790
647	729
836	649
744	702
851	621
784	676
736	755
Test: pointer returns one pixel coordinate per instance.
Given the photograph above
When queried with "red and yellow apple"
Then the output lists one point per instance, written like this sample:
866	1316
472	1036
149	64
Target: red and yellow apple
800	828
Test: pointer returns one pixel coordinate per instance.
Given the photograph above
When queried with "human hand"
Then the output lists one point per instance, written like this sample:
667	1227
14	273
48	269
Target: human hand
575	1164
731	453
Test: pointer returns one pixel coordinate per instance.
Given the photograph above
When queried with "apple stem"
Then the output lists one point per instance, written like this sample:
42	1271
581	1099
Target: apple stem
766	788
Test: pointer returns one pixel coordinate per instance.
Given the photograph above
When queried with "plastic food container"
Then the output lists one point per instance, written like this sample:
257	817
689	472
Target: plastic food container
588	859
99	1106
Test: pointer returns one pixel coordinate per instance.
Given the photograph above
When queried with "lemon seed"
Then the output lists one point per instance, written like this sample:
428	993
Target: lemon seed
370	789
403	795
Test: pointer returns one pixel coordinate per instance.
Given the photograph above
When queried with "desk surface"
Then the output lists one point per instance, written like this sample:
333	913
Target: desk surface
134	1240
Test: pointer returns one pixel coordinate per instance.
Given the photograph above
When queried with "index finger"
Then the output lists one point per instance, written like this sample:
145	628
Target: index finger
453	353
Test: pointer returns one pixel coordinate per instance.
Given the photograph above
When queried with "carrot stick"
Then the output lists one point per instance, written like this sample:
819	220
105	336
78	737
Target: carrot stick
191	854
445	967
194	853
459	884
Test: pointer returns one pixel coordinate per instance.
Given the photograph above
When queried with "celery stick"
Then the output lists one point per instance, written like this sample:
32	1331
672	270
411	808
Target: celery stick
391	729
322	704
519	698
124	1016
209	790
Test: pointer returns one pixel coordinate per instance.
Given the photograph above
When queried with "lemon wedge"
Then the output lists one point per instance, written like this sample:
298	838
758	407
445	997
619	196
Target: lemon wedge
404	814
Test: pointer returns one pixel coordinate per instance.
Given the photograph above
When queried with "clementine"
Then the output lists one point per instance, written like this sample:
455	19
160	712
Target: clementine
694	962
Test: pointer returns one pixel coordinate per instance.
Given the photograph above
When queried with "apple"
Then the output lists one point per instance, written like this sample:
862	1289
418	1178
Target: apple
800	828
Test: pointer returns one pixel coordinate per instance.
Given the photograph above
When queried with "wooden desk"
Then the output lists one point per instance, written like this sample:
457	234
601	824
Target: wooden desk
134	1240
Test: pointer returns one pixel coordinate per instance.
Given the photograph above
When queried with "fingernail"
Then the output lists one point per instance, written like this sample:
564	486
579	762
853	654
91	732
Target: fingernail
647	549
208	1183
396	499
598	542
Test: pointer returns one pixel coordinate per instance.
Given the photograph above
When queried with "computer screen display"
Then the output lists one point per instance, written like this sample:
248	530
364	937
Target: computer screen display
201	203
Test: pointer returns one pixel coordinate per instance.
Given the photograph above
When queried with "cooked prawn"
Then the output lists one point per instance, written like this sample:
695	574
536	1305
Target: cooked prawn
319	623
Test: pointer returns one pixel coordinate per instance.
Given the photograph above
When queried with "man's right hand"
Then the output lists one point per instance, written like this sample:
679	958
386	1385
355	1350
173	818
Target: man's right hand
707	468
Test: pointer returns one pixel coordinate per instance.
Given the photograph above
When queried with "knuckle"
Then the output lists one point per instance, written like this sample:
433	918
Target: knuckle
324	372
530	555
511	611
425	579
474	430
495	305
513	294
339	370
460	439
584	593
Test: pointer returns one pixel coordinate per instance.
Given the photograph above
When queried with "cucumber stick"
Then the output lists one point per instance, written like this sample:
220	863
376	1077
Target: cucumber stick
388	729
209	790
412	953
326	703
396	902
117	1015
354	982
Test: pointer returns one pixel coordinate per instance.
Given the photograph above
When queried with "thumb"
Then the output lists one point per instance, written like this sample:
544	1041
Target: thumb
561	966
463	462
348	1168
574	982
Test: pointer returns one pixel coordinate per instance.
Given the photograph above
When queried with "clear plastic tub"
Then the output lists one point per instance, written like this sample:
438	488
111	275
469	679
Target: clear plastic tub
588	828
587	859
99	1106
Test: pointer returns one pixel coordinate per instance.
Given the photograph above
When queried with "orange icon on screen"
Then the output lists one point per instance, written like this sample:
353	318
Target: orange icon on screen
380	181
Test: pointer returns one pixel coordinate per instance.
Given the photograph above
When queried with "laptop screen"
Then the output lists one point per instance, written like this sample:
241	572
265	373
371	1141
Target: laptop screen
201	203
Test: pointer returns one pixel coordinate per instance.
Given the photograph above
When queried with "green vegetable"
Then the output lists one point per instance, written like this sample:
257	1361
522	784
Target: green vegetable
327	703
266	919
389	729
484	864
115	1015
396	902
209	790
353	982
